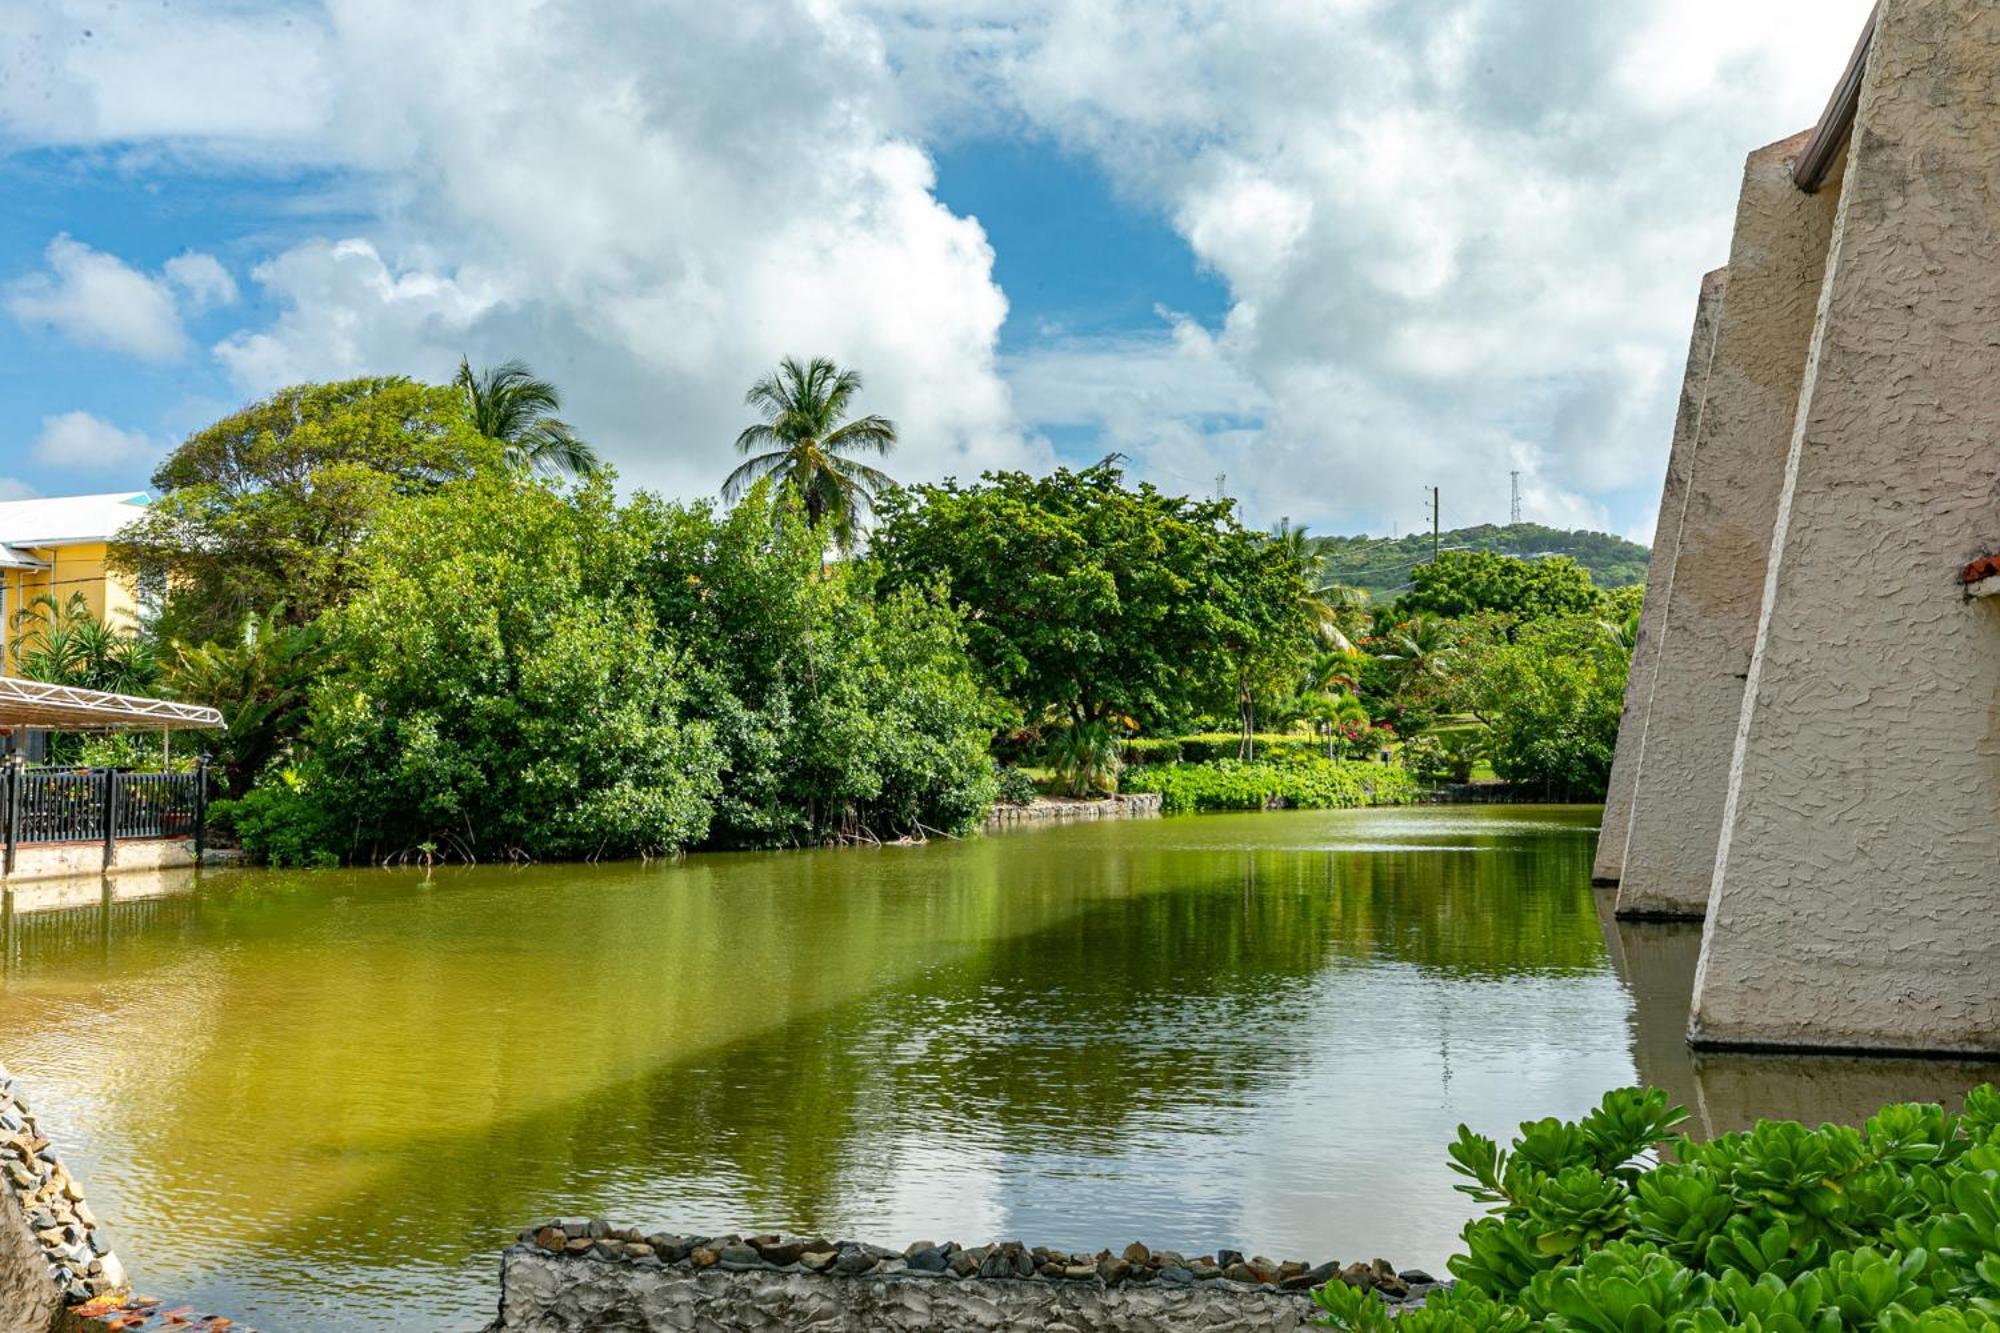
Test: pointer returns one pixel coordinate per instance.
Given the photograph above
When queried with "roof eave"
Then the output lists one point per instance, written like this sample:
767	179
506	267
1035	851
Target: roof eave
1836	124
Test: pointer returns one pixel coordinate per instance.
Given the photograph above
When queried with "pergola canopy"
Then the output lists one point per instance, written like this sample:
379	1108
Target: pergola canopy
33	703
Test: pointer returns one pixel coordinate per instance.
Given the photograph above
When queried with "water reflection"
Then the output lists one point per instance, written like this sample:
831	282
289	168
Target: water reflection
326	1100
1726	1091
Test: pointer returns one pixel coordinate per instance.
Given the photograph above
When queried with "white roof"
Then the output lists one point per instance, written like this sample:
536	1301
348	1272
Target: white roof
68	520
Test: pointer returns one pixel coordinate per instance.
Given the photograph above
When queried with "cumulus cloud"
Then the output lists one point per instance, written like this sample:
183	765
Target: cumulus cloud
101	301
1460	237
85	443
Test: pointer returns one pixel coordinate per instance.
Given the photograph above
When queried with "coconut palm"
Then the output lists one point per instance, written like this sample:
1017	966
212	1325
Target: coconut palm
806	443
509	405
1333	608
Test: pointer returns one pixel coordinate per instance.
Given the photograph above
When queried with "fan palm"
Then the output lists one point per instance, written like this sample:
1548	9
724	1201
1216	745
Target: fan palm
806	441
509	405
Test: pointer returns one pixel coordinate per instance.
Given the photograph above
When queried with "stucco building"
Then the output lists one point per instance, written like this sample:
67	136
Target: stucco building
1818	764
59	547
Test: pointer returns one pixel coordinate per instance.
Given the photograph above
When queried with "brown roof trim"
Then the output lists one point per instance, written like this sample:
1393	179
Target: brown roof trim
1836	123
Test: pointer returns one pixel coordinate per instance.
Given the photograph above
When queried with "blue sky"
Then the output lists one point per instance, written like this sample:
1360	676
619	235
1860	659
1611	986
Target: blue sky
1334	253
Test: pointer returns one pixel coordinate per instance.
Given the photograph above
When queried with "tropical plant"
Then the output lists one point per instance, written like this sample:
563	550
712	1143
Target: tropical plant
1612	1224
807	443
511	407
62	641
1084	756
1298	782
261	682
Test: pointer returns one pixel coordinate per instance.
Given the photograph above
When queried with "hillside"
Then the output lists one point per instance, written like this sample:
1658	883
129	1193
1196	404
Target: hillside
1382	565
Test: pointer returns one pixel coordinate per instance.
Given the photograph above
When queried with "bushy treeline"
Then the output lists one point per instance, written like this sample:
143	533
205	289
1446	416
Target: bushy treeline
1894	1226
523	672
1296	782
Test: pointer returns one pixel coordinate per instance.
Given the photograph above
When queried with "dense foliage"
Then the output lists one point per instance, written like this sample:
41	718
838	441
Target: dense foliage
1779	1229
1466	583
1090	602
1551	700
270	506
528	673
1301	783
1381	566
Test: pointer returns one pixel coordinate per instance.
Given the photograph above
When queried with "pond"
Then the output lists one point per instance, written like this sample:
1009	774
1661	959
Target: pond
328	1100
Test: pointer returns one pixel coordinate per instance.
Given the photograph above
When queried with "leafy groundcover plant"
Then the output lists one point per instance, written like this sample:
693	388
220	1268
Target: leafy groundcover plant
1779	1229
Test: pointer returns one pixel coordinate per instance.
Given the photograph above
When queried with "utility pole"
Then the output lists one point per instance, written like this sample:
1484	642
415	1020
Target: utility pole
1437	511
1514	509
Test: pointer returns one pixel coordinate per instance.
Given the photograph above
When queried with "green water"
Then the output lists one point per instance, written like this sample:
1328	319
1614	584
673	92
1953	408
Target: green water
328	1100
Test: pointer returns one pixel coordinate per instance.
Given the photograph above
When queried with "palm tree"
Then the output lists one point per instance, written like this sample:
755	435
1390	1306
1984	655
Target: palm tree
509	405
806	439
1331	607
63	642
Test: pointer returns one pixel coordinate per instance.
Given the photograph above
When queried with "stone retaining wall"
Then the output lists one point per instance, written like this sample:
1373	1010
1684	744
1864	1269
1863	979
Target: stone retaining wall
51	1254
1141	805
590	1275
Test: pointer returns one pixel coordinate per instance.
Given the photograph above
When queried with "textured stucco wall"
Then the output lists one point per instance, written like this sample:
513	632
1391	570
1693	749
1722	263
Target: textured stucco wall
1776	263
1613	828
1854	894
544	1293
85	860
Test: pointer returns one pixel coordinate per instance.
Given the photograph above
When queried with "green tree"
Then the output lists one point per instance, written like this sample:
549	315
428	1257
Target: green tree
1464	583
504	690
509	406
807	443
269	506
1087	601
842	710
261	682
1551	700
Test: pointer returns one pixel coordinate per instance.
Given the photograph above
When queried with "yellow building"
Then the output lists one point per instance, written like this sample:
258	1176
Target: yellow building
59	546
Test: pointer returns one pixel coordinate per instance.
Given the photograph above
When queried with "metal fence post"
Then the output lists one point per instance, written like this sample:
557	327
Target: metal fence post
110	815
15	763
200	807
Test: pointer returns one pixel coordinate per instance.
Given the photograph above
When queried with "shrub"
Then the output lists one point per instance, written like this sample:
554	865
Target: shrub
1016	787
1778	1229
1149	750
1212	747
1305	783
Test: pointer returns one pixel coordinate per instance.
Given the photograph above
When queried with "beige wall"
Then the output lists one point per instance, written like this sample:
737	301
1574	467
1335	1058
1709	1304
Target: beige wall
1612	830
1854	895
1776	262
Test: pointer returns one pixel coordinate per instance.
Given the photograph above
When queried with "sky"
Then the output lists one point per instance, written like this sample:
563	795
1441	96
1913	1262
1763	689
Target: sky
1321	254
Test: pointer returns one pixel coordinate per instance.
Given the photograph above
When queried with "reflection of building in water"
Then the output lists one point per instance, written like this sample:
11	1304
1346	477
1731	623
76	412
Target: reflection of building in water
56	919
1726	1091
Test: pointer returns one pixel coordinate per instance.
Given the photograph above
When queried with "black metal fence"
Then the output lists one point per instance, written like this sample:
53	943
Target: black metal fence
102	805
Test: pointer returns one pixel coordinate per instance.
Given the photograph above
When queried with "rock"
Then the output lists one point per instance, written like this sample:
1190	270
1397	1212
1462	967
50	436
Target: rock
1176	1273
929	1259
597	1228
1240	1272
1079	1272
638	1249
705	1257
1417	1277
1224	1258
963	1264
779	1250
740	1256
853	1262
1290	1268
579	1245
1358	1275
1048	1268
884	1267
1135	1253
1265	1269
1169	1259
551	1239
817	1261
1113	1270
673	1249
997	1264
910	1250
1312	1277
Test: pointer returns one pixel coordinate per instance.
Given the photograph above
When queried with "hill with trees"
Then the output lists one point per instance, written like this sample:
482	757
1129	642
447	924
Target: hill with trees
1381	565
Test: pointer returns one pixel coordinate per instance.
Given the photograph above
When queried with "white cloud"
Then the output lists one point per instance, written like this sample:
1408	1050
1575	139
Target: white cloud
13	488
81	442
202	280
1460	237
101	301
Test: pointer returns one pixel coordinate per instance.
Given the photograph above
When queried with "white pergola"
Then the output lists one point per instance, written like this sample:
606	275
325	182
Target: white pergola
33	703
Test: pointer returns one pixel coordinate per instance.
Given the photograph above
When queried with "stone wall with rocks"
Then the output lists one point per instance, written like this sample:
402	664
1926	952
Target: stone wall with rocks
1140	805
589	1275
51	1253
